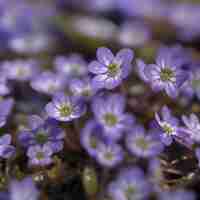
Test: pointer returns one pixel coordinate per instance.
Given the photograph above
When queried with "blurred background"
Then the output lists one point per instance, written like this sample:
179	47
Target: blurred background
45	28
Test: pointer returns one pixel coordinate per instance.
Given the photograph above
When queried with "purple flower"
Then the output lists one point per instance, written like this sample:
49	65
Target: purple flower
20	70
110	112
109	154
6	149
179	194
168	124
82	88
40	155
23	190
65	108
44	133
167	74
192	127
6	106
110	70
48	83
191	87
71	66
134	34
143	145
91	136
130	184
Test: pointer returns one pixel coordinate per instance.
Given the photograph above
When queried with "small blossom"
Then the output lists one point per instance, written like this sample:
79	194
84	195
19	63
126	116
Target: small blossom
40	155
91	136
110	70
20	70
42	132
71	66
167	74
110	112
48	83
169	125
192	127
130	184
109	154
143	145
65	108
6	149
23	190
82	88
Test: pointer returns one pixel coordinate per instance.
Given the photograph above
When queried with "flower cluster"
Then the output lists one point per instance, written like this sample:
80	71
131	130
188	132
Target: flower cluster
111	113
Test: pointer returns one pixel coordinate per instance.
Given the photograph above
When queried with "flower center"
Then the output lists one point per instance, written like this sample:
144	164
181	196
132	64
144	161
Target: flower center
21	72
93	142
65	110
113	69
108	155
41	137
142	143
129	192
166	74
110	119
40	155
167	129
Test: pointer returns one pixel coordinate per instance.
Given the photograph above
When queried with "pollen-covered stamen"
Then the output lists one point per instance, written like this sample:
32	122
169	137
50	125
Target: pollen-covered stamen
93	142
113	69
109	155
65	110
168	129
142	143
40	155
129	192
110	119
167	74
41	137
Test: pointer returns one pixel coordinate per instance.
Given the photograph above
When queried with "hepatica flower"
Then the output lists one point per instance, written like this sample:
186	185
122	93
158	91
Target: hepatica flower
6	149
169	125
82	88
71	66
192	127
110	70
142	144
130	184
110	112
23	190
48	83
6	106
65	108
20	70
91	136
109	154
43	133
40	155
167	74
